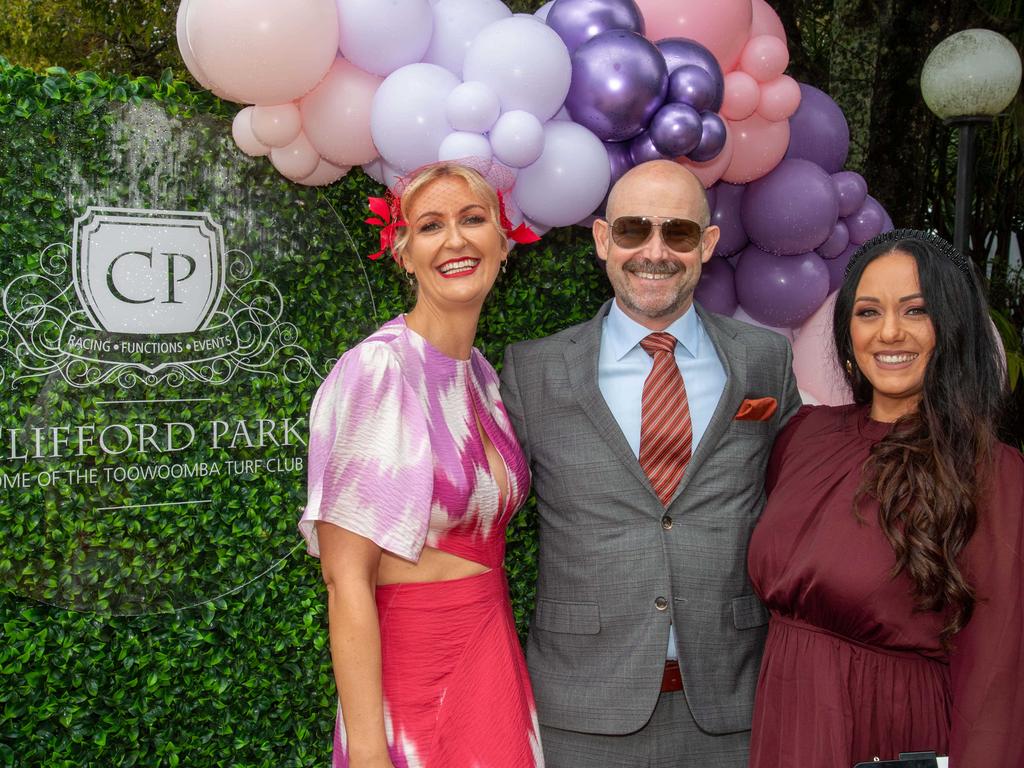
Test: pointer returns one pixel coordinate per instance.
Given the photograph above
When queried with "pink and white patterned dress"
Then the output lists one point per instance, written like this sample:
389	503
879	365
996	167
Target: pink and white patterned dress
395	455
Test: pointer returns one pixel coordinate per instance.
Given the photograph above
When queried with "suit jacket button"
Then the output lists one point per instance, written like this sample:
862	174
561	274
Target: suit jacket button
661	603
666	522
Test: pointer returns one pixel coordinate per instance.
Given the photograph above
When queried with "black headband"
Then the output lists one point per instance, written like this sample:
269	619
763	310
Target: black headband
899	235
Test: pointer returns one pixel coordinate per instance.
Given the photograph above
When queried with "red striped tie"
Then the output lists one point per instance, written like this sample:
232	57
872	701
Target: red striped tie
665	432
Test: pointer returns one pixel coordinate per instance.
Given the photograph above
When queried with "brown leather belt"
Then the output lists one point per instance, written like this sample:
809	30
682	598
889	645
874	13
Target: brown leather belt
672	680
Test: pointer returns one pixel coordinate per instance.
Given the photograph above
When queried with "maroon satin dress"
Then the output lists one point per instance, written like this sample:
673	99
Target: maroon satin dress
851	670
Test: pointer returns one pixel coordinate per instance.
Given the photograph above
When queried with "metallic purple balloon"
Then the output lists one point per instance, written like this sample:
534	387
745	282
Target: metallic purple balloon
690	84
727	217
619	158
642	149
781	291
619	81
712	138
576	21
818	130
675	129
852	191
837	242
681	51
716	290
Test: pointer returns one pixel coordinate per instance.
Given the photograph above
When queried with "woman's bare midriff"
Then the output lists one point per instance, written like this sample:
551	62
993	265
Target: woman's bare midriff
434	565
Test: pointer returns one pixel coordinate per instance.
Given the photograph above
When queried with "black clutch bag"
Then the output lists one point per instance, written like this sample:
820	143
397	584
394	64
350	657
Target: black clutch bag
906	760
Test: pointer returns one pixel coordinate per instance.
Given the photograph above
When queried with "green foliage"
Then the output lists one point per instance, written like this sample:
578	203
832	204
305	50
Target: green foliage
197	638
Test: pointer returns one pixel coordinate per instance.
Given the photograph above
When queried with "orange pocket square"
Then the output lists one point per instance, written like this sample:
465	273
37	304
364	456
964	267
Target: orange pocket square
757	409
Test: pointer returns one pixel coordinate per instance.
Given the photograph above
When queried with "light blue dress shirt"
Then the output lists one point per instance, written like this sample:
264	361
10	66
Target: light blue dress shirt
623	365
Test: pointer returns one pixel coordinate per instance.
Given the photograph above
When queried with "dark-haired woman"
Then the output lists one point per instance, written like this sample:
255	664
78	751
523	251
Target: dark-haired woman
889	552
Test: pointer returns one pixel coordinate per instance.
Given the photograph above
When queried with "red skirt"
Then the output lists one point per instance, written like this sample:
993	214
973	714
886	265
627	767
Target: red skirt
456	690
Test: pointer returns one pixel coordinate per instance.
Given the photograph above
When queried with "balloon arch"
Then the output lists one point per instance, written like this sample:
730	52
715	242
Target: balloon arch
563	102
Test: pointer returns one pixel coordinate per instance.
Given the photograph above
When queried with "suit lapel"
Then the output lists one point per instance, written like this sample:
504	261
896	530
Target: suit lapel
581	359
734	360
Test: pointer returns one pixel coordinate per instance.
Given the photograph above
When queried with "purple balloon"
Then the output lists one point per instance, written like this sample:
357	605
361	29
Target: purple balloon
836	243
681	51
642	149
690	84
716	290
726	216
791	210
712	196
852	190
619	81
867	221
780	291
837	267
577	21
618	158
675	129
712	138
818	130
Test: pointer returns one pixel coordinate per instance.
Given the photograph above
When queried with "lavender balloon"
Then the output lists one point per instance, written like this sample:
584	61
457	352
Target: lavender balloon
690	84
781	291
716	290
818	130
619	81
852	191
791	210
576	21
675	129
642	149
681	52
726	216
712	138
837	242
867	221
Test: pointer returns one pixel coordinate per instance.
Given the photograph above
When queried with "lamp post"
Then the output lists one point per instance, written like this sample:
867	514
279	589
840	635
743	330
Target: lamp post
968	79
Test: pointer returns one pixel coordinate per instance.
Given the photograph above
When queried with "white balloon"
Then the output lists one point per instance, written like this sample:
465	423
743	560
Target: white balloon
277	125
524	62
241	132
472	107
460	144
456	23
569	179
382	35
408	120
517	138
542	12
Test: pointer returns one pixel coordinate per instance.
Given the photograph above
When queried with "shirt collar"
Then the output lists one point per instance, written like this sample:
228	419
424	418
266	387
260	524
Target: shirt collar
623	333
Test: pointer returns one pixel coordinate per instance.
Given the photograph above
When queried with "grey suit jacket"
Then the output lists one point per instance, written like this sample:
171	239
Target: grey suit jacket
615	565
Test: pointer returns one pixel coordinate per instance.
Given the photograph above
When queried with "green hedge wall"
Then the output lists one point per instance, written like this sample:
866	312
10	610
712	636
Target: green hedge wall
101	666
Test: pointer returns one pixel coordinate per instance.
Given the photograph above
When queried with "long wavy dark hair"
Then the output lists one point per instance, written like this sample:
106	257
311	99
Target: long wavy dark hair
929	474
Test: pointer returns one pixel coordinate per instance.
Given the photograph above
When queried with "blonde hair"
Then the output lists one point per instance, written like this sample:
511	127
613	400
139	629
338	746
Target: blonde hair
422	180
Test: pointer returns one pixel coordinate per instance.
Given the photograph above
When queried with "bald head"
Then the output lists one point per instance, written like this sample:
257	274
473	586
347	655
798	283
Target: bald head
651	188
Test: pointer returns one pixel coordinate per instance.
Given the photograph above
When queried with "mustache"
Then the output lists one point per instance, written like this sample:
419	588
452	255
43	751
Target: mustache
652	267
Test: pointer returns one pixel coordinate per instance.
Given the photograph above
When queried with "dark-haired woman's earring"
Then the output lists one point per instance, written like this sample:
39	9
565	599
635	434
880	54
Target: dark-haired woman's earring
849	368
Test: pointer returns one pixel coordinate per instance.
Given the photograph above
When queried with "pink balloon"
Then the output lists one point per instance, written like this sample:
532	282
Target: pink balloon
779	98
711	171
325	173
766	21
764	58
336	114
277	125
263	51
722	26
814	361
241	132
760	146
296	161
185	47
742	94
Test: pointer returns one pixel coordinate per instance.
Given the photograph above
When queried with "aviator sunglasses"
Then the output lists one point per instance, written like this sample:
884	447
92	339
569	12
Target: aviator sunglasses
681	235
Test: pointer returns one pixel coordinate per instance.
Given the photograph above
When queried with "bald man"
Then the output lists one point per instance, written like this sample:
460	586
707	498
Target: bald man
648	430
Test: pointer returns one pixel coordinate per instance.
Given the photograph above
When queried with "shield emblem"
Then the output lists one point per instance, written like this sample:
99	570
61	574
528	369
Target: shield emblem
148	272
